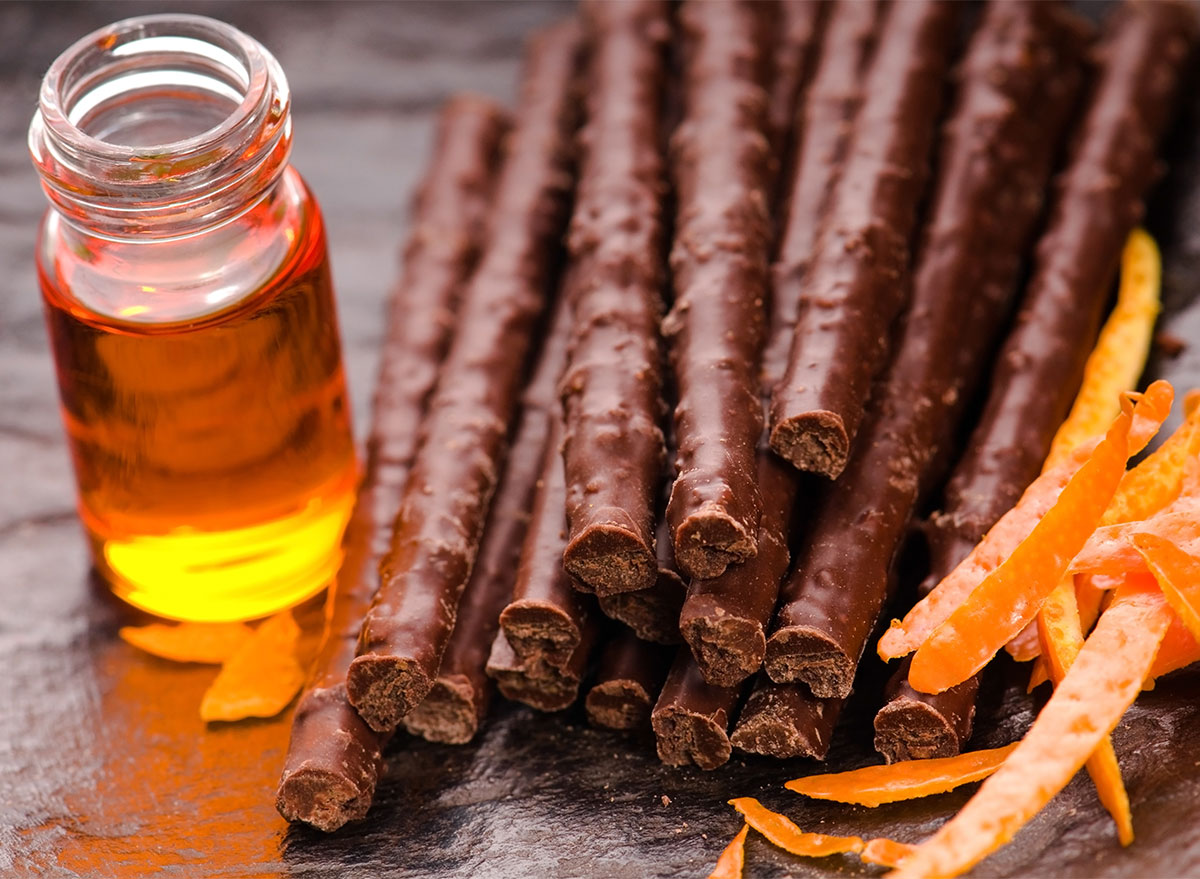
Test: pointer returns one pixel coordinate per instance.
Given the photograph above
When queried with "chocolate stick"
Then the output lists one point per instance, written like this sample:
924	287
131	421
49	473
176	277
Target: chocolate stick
464	436
1097	200
724	619
798	35
786	720
547	616
652	613
691	718
612	391
536	682
1018	84
334	759
720	163
855	278
459	699
628	680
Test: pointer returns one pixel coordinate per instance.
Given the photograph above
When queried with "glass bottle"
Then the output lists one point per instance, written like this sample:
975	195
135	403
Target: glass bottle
186	287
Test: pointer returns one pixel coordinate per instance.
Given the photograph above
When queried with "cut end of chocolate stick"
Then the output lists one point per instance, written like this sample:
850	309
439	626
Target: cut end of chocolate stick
783	721
619	704
799	653
449	714
906	729
606	559
652	613
385	688
727	649
334	762
685	738
540	629
708	542
813	441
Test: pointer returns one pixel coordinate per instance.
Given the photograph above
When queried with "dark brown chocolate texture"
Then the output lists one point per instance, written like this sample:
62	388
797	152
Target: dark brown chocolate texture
630	674
856	279
652	613
786	720
465	433
458	702
334	759
691	718
797	27
612	391
1017	85
1143	59
720	162
534	681
547	616
724	619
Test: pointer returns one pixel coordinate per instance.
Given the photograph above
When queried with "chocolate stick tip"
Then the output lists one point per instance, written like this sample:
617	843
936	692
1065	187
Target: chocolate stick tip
385	688
609	558
906	729
619	704
815	441
540	628
728	649
801	653
449	714
685	737
782	721
335	781
709	541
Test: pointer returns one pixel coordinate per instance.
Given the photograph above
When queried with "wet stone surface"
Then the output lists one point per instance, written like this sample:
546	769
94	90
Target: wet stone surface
105	767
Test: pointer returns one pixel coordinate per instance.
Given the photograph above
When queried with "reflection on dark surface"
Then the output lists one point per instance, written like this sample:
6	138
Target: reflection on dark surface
106	771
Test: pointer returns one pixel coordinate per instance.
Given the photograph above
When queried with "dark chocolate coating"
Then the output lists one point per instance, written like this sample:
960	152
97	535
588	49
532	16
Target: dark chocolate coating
612	392
724	619
691	718
464	436
652	613
628	679
457	704
908	727
798	31
1097	200
536	683
547	615
720	163
333	759
1018	83
856	279
786	720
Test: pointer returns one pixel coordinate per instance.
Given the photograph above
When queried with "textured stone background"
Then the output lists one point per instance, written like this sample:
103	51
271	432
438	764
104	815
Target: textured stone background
105	767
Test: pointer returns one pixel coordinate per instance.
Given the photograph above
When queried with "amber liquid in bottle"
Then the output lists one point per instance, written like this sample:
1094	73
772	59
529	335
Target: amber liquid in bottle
213	454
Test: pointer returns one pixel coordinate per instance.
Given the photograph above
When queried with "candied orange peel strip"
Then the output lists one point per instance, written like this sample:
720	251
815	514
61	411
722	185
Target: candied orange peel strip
261	678
886	852
1178	576
733	858
1085	707
1009	597
209	643
779	830
1177	650
1045	494
1117	361
908	780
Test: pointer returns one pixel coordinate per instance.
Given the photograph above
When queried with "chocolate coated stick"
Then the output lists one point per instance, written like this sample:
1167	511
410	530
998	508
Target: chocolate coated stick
798	35
612	391
786	720
1097	201
334	759
547	616
720	163
628	680
1017	85
652	613
536	682
856	278
458	702
691	718
446	499
724	619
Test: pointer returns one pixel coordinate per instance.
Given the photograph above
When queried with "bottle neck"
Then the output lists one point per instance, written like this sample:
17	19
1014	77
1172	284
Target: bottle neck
160	127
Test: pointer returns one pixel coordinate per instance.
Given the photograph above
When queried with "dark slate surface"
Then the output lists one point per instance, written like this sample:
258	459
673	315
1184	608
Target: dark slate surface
105	767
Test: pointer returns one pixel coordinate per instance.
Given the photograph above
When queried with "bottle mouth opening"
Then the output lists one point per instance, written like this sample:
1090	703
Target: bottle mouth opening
157	112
